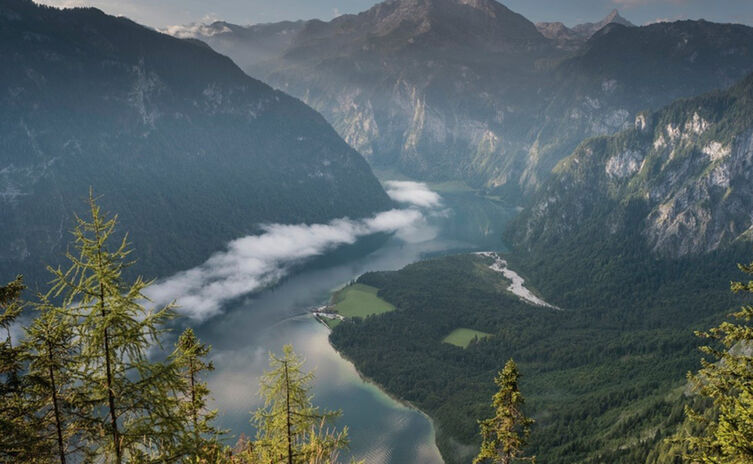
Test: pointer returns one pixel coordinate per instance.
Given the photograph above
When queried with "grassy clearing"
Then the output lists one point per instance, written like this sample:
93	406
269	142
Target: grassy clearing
463	337
359	300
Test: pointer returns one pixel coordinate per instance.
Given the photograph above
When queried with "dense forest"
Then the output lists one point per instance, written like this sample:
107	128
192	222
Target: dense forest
604	376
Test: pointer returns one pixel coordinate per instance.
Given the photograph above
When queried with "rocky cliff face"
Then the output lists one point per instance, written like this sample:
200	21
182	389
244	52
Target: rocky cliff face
681	179
189	150
408	82
435	88
622	71
444	89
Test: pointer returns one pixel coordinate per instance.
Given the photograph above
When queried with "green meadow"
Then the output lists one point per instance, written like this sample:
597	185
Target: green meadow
463	337
359	300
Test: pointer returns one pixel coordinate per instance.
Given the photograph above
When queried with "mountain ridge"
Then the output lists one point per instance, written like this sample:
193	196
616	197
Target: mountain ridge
397	27
173	135
498	117
573	38
684	170
589	29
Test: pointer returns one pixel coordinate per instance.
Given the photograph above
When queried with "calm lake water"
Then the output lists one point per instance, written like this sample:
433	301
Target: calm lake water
382	431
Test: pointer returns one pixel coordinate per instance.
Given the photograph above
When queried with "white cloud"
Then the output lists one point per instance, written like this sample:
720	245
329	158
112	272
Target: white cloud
253	262
204	28
415	193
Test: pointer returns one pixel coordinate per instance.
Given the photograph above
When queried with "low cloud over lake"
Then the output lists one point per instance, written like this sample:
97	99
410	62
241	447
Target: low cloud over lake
253	262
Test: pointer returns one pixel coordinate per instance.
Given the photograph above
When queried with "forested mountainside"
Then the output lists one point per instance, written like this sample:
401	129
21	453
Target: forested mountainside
189	150
444	89
623	71
604	377
679	181
635	237
672	191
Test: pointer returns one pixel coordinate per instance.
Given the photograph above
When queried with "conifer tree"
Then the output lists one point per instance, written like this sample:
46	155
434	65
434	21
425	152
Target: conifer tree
130	396
505	435
189	358
18	439
723	432
53	356
290	429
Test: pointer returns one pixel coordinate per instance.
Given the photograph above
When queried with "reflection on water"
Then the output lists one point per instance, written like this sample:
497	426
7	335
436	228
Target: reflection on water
381	429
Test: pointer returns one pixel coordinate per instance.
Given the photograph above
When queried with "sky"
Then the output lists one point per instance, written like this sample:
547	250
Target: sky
162	13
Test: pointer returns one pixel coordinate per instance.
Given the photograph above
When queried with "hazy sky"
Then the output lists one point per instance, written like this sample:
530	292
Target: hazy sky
161	13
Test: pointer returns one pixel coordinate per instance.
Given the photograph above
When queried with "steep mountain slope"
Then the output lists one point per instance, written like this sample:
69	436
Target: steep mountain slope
458	89
624	70
636	237
189	150
409	83
437	88
680	179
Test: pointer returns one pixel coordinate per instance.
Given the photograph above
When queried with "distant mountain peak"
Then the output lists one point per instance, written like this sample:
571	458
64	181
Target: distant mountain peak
588	29
415	8
195	30
489	7
399	24
572	38
615	17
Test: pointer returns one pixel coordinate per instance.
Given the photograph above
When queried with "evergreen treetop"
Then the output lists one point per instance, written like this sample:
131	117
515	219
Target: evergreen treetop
723	432
290	429
129	394
505	435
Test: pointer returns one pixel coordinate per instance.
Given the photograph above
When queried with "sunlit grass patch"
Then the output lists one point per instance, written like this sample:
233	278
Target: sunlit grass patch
463	337
359	300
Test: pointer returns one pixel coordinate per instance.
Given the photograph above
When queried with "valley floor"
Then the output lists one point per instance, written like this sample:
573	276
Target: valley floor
604	383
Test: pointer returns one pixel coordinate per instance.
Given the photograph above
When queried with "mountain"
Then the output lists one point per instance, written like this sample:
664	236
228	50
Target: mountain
622	71
572	39
562	35
189	150
679	181
245	44
451	89
635	237
438	89
589	29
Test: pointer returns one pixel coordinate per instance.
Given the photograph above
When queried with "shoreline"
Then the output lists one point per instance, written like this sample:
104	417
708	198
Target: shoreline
405	403
368	380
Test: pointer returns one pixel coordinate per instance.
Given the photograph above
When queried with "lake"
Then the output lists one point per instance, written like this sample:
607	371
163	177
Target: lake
382	430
